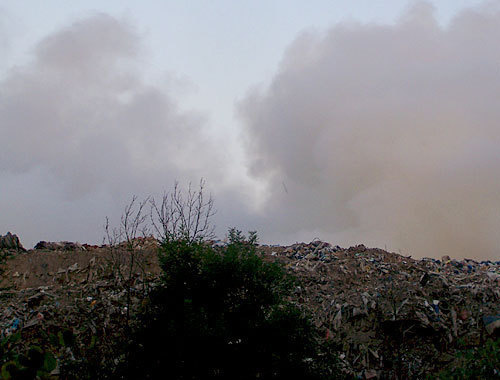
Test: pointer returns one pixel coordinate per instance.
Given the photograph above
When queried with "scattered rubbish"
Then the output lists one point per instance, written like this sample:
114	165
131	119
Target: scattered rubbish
492	323
370	301
60	245
424	279
493	276
73	267
218	243
45	292
10	242
371	374
390	316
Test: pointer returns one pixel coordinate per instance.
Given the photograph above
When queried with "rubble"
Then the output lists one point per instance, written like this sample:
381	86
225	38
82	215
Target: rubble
59	246
392	315
217	243
10	242
492	324
57	297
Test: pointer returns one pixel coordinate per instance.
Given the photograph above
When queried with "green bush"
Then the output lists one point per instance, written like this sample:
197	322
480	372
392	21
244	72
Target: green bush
223	313
36	363
475	363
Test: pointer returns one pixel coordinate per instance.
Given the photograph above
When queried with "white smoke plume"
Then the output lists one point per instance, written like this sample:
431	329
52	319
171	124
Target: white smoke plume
82	131
385	134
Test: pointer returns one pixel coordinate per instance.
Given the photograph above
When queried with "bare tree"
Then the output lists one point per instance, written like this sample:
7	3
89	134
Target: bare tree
123	242
132	225
133	222
183	215
113	239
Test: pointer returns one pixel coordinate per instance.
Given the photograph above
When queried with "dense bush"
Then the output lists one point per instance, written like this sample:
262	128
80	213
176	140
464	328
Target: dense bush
481	362
223	313
35	363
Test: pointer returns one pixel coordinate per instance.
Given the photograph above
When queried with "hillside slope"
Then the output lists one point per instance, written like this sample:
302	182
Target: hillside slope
387	315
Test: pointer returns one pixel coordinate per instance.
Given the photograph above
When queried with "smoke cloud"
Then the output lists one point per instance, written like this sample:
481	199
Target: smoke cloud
82	131
385	134
3	33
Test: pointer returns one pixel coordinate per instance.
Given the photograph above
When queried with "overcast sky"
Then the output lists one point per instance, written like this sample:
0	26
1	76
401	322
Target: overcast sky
350	121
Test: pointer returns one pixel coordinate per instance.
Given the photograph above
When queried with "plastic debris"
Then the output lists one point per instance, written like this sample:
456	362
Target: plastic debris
492	323
390	316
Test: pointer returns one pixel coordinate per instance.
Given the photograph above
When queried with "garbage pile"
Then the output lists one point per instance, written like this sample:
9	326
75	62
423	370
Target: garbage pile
59	246
389	315
75	305
10	242
140	243
316	250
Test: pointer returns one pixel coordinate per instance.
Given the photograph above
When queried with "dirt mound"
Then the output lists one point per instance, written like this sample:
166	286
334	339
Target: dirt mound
388	315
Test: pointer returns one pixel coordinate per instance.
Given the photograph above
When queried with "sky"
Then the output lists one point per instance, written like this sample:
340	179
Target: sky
348	121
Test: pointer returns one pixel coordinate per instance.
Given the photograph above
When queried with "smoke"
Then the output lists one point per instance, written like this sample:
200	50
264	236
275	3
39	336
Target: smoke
82	131
4	42
385	134
382	134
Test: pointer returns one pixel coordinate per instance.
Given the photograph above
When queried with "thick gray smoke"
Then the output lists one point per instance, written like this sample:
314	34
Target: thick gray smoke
82	111
385	134
3	34
82	131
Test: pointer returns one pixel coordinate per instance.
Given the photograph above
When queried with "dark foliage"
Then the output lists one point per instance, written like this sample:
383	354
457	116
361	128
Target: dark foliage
35	363
223	313
481	362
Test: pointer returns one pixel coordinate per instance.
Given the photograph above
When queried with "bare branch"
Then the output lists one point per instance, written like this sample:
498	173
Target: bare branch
183	215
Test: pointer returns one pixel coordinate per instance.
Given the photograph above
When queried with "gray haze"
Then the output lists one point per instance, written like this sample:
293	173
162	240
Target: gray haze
3	34
387	135
82	132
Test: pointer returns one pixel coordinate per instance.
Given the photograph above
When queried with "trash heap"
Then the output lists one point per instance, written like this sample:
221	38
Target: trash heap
75	305
389	315
139	243
10	242
59	246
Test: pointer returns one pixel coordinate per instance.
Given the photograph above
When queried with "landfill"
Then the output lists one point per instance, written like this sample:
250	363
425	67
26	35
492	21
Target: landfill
393	316
74	303
387	315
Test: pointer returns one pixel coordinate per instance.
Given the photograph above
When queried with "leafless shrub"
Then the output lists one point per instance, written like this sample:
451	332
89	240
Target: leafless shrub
124	257
133	222
112	240
123	239
183	215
